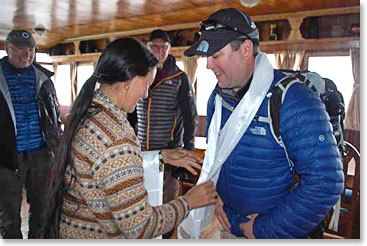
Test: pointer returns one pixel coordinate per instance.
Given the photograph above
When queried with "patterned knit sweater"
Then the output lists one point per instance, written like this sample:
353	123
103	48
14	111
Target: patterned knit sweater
106	197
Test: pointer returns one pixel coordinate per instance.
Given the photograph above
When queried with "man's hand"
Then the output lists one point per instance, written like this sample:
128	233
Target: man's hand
221	215
182	158
247	227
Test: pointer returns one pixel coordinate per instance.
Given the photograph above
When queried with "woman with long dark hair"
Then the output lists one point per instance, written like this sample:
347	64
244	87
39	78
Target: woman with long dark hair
96	186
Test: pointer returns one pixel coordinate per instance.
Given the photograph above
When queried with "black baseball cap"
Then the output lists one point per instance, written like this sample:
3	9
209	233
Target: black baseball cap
159	33
20	38
220	28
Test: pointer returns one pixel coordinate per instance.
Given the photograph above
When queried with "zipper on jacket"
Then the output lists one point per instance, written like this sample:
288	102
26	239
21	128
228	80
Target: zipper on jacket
150	104
168	78
173	129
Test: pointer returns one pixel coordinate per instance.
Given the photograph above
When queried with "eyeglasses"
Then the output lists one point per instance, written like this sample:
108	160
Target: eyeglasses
209	26
158	46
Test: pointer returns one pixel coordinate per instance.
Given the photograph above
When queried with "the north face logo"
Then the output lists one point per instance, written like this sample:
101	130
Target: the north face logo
257	130
203	46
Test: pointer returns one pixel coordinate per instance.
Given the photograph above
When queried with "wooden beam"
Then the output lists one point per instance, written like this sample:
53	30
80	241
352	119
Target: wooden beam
191	25
322	44
76	58
311	13
339	45
134	32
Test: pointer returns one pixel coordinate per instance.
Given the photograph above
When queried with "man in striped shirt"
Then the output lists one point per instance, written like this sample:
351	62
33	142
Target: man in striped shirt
30	130
167	118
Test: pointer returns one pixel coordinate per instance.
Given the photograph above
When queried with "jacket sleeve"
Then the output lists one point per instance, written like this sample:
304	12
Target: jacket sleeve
308	136
57	105
186	103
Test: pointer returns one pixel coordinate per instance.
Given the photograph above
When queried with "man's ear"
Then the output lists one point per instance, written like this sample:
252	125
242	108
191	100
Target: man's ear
247	48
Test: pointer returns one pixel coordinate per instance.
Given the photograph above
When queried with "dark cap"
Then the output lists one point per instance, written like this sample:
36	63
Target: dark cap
159	33
21	38
220	28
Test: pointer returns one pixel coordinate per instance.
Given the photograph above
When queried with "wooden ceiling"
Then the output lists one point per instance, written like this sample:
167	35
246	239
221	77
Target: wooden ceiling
69	19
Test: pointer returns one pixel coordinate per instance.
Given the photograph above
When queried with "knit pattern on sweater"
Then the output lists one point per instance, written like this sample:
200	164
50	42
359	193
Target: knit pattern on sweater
106	196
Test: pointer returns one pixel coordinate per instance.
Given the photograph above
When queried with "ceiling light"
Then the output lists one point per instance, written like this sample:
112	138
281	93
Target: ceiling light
40	30
249	3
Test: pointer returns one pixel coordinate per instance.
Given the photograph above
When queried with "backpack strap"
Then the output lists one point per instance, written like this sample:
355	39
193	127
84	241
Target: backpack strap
276	98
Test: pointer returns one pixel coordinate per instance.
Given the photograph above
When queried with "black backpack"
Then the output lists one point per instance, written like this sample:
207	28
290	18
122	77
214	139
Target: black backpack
334	104
324	88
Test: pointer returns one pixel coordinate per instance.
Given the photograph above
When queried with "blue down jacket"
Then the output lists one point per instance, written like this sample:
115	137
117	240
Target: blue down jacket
256	177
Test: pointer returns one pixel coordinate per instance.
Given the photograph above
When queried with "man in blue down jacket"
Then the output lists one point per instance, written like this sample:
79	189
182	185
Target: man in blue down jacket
30	130
254	180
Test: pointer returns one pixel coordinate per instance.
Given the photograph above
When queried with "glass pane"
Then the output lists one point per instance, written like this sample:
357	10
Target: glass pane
338	69
180	65
206	83
63	85
2	53
43	57
84	72
271	58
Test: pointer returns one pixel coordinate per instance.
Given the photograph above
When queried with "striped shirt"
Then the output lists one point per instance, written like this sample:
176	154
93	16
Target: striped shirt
22	88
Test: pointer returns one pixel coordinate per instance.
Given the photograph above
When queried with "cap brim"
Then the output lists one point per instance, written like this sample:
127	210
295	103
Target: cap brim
210	42
25	44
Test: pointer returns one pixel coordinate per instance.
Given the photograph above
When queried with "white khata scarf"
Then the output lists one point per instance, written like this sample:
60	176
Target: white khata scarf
221	142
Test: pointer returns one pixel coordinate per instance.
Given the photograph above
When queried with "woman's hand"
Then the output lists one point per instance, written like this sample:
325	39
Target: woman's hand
201	195
221	215
182	158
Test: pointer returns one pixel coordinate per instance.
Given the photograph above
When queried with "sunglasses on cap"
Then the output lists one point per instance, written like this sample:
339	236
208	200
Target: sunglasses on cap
212	26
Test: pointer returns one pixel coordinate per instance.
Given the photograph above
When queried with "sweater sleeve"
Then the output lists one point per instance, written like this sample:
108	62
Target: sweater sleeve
308	136
130	215
186	103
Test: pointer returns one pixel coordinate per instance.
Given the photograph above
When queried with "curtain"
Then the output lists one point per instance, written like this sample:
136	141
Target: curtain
291	60
190	66
352	119
73	81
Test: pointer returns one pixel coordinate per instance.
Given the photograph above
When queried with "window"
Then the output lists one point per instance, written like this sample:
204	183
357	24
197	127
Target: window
206	82
43	58
63	85
271	58
180	65
83	73
338	69
2	53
